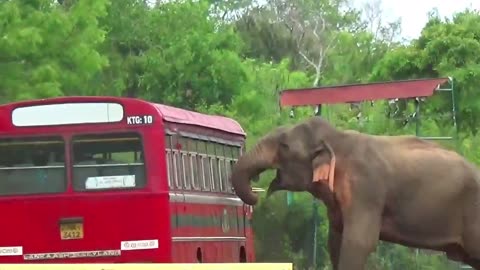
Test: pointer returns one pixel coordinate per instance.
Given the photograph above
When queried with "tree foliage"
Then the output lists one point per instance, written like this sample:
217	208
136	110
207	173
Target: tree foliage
232	58
49	49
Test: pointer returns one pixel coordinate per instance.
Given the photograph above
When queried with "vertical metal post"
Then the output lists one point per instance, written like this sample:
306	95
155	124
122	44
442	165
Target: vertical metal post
454	115
315	225
318	112
454	106
289	198
417	117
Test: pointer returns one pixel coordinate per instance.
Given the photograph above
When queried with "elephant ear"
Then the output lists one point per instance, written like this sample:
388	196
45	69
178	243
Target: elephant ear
323	165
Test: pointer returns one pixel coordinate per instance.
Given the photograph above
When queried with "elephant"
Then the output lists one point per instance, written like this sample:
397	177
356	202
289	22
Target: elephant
399	189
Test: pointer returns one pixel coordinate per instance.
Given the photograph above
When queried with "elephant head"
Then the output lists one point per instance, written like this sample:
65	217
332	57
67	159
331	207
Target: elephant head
301	154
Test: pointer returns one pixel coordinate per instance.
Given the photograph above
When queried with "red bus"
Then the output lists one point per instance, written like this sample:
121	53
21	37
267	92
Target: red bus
119	180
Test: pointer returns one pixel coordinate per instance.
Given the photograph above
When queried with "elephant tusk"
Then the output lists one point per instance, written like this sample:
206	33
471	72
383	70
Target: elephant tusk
326	173
331	174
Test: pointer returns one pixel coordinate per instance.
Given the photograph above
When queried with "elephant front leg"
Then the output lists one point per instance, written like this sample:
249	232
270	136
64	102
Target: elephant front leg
361	232
334	243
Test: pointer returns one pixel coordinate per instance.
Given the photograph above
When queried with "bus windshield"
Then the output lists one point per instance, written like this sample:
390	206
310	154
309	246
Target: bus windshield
108	161
32	165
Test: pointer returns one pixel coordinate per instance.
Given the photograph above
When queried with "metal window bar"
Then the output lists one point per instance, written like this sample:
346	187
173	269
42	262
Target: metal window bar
186	172
32	167
176	164
109	165
213	184
206	173
169	167
201	171
194	170
228	169
220	176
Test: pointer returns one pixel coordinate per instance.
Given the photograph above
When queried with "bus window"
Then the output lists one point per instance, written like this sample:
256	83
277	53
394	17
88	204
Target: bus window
202	147
236	152
219	150
32	166
210	148
192	145
108	161
183	143
168	142
228	151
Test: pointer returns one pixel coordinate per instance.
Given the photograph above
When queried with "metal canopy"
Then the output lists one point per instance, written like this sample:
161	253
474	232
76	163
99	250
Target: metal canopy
354	93
360	92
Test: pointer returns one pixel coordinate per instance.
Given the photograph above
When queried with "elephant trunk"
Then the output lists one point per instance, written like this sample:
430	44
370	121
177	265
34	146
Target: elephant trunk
251	164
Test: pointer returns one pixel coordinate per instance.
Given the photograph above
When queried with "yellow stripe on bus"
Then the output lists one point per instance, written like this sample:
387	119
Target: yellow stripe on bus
148	266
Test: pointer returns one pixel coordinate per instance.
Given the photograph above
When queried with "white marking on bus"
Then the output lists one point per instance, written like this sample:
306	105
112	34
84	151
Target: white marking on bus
134	120
11	251
72	255
139	244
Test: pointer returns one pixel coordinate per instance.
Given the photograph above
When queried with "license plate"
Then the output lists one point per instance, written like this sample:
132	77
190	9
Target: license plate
71	231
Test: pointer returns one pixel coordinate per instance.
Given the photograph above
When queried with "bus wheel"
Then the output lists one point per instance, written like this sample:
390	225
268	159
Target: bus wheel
199	255
243	255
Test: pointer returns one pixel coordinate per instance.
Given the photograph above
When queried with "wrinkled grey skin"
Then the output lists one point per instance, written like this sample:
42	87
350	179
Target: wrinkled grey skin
398	189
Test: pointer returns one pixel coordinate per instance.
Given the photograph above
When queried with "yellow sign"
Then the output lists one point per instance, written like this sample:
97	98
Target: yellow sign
71	231
174	266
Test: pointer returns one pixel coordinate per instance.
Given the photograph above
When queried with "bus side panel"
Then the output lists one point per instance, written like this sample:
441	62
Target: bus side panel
208	232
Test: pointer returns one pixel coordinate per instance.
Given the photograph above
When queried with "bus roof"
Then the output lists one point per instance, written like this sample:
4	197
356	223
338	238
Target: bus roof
167	113
182	116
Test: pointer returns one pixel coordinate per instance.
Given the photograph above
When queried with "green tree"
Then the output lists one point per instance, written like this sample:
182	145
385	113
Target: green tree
48	49
445	48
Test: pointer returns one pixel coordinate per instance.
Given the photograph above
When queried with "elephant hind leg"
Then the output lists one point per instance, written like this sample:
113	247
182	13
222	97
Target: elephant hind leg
471	240
474	263
471	232
458	254
472	248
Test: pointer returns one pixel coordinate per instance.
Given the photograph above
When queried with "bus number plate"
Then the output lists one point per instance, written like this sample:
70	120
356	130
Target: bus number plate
71	231
140	120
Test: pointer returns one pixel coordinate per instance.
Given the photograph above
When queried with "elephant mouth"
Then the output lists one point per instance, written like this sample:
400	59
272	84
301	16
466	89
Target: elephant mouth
262	157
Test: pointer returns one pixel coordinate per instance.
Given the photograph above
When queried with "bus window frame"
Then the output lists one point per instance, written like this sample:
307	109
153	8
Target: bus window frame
209	151
109	132
65	140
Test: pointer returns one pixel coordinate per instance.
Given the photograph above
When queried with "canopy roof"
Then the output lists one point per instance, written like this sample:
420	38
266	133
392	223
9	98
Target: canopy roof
360	92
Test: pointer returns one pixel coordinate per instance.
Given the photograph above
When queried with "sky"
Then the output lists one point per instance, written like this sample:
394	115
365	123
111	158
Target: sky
414	12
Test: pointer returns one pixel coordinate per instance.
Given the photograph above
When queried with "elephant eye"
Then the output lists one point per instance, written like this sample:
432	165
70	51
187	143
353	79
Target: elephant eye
284	146
319	151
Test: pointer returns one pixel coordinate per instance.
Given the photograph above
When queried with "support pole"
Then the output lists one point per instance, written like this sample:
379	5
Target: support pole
417	117
318	112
